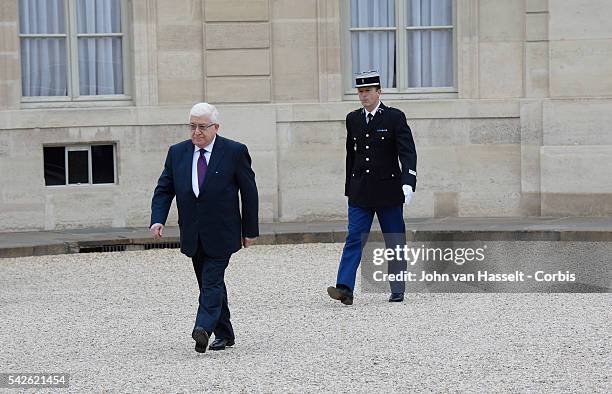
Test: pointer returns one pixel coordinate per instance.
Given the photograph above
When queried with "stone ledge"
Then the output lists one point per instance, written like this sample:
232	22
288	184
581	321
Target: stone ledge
418	230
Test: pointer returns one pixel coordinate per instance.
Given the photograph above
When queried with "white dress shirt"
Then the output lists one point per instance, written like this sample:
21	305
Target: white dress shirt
194	165
373	111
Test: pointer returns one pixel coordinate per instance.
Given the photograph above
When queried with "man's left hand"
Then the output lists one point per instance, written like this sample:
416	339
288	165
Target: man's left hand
246	242
407	193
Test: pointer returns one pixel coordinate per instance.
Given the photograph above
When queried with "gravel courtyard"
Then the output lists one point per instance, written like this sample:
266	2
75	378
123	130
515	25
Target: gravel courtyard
122	322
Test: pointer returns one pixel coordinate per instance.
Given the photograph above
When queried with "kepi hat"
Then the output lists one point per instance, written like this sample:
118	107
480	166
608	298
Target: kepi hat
368	78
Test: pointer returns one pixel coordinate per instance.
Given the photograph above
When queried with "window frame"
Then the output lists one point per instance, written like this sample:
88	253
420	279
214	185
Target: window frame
83	147
71	35
401	29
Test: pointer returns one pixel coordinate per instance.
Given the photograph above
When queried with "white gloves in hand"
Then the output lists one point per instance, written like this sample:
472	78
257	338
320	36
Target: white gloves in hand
407	189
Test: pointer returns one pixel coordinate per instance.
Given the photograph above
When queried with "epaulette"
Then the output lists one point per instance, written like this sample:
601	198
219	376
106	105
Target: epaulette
396	110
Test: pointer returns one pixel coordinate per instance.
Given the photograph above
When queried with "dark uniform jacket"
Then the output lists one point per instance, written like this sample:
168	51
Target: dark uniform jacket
214	216
374	177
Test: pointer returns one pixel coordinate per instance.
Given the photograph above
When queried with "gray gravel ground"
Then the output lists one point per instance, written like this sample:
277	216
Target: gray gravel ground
122	322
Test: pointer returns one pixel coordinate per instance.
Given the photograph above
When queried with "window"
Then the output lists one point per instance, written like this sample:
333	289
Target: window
72	49
410	42
94	164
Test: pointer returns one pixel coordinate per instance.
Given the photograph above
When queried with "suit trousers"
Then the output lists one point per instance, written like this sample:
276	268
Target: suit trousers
360	219
213	310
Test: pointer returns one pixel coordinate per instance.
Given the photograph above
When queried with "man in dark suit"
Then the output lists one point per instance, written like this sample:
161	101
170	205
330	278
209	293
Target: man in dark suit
206	173
377	136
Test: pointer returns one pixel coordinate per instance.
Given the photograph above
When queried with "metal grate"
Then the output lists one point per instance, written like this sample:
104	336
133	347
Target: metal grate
130	247
162	245
102	248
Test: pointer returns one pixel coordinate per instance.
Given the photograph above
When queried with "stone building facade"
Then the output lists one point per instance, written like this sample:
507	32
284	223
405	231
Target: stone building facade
524	130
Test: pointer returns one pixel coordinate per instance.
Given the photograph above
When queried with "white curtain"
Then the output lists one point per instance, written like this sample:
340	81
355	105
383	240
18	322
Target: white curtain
374	50
43	60
100	59
430	53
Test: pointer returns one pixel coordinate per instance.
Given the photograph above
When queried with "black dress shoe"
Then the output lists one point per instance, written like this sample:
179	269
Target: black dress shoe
396	297
221	343
201	337
341	294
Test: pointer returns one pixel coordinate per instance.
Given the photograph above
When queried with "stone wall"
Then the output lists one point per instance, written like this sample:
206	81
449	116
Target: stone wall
526	133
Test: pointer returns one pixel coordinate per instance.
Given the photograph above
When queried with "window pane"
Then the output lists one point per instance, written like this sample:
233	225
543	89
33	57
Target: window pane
430	58
372	13
55	165
100	66
99	16
374	51
102	164
41	17
78	169
429	13
43	67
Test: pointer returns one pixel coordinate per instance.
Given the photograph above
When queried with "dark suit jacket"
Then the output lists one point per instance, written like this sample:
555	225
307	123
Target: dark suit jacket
373	176
214	216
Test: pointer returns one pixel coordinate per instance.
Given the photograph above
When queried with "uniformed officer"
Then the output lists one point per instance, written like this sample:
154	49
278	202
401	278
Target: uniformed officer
376	137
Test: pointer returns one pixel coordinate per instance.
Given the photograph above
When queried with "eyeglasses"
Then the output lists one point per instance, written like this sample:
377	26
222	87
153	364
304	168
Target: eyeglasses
201	127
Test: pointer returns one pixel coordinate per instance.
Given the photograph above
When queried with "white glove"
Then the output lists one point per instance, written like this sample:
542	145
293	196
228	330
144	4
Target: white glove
407	189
